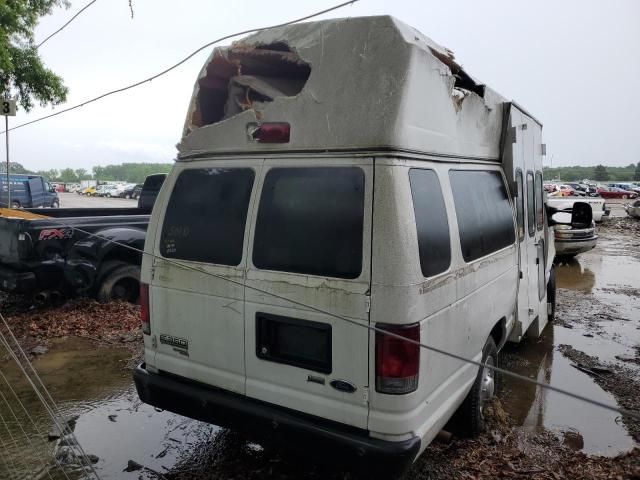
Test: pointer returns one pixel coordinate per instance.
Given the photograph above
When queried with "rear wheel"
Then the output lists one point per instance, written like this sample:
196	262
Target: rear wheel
15	204
55	204
119	281
471	414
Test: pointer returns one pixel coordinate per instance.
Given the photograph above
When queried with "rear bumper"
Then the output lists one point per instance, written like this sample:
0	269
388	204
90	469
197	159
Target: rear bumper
13	281
575	246
330	441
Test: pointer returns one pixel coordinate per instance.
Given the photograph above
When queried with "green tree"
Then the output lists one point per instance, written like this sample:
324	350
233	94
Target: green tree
636	174
600	173
14	167
82	174
22	72
68	175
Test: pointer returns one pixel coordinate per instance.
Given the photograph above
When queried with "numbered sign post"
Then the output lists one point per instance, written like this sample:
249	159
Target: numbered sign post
8	110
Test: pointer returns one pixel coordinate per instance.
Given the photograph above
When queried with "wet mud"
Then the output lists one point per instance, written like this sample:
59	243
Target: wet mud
533	433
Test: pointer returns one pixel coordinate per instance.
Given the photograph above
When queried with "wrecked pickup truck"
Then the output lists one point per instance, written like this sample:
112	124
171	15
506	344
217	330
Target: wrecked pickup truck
54	253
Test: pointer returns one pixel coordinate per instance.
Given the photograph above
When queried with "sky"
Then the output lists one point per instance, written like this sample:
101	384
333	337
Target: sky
575	65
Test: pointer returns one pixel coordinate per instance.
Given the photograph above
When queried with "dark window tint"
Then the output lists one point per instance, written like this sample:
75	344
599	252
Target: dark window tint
520	204
531	205
206	215
485	218
539	202
310	220
431	222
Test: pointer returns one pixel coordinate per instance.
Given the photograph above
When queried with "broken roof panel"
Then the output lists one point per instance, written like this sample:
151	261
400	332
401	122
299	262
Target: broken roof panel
353	83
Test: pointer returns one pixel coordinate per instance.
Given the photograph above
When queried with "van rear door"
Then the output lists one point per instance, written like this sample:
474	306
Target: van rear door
311	245
36	192
197	287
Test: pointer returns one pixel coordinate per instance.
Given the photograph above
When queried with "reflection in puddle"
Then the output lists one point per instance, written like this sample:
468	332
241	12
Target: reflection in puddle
113	424
534	407
571	274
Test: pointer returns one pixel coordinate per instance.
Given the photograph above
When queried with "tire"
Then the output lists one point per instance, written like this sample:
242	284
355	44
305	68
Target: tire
551	294
127	196
15	204
624	197
118	280
55	204
471	413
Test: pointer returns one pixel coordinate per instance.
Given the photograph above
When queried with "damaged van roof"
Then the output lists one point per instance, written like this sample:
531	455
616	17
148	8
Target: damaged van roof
368	83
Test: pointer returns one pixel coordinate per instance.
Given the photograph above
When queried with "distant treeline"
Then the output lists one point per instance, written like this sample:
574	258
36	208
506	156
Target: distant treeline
126	172
600	173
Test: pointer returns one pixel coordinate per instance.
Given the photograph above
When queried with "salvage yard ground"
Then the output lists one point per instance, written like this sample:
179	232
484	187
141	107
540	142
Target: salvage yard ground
85	351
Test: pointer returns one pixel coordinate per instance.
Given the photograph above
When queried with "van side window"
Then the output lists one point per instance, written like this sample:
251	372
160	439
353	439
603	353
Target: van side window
206	215
539	202
520	204
531	205
432	225
310	220
485	217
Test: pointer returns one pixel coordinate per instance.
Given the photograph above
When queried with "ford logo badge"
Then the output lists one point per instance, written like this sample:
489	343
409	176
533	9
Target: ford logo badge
342	386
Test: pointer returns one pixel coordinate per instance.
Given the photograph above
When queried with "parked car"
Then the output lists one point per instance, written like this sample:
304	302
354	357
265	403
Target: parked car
127	191
633	209
89	191
71	251
27	191
136	191
597	204
572	241
616	192
101	190
263	275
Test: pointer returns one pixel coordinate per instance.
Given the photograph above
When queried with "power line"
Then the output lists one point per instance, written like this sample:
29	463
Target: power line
65	25
173	67
630	413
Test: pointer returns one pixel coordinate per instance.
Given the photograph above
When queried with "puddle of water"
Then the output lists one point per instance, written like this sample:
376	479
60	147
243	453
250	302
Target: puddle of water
610	274
113	424
536	408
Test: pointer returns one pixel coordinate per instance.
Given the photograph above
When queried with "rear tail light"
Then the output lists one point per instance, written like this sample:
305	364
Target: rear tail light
144	309
274	132
397	360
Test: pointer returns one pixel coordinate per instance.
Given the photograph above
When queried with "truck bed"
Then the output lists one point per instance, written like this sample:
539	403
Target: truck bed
47	245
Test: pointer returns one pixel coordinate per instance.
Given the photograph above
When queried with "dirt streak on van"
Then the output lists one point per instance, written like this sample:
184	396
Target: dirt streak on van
352	166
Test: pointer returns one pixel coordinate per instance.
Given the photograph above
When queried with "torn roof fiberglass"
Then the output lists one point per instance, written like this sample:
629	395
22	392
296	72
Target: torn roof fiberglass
353	83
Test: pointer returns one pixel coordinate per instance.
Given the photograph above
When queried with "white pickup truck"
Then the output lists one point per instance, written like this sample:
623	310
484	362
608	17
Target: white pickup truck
598	206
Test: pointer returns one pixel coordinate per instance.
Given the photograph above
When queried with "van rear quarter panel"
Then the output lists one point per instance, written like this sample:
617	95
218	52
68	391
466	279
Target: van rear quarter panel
456	309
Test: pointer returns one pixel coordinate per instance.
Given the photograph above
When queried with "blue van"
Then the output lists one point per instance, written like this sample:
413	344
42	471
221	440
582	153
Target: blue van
28	191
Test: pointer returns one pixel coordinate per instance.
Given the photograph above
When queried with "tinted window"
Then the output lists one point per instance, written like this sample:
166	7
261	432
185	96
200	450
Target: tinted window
485	218
310	220
520	204
531	204
431	222
206	215
539	202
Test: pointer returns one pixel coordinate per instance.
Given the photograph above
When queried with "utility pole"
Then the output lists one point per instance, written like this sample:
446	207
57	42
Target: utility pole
8	110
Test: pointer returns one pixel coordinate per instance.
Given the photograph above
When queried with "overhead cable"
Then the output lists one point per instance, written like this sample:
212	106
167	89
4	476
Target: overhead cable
176	65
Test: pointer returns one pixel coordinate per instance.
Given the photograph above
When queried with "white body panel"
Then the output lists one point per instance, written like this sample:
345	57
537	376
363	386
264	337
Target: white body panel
409	114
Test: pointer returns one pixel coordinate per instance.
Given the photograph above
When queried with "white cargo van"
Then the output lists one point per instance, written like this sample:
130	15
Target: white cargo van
335	176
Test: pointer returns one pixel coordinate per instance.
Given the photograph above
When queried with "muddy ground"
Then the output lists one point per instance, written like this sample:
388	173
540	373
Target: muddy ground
84	352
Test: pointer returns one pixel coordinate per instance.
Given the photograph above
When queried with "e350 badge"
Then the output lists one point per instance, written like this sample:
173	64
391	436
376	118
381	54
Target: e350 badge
180	345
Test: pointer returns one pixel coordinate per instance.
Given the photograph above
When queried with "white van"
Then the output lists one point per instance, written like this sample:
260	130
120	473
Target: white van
337	177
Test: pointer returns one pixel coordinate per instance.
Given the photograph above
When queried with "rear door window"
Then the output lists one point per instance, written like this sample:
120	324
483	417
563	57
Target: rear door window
310	221
206	215
485	218
432	225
